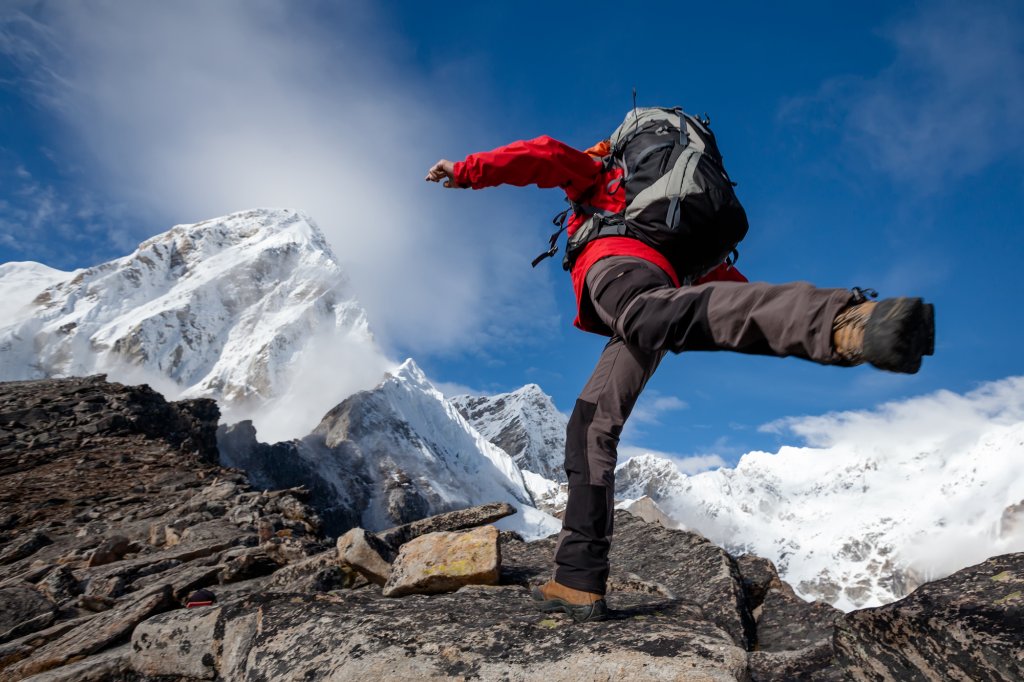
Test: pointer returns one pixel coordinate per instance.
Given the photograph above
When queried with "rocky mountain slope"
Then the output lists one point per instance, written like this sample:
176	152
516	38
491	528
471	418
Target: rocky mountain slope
524	423
390	455
252	309
93	578
225	309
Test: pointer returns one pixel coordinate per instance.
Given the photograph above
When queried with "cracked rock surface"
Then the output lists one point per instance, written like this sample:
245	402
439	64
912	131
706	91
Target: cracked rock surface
115	512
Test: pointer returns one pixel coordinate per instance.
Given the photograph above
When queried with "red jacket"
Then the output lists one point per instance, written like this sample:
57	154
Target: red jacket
546	162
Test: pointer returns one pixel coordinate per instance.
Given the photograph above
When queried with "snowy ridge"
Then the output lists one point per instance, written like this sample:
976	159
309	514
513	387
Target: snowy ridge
394	454
889	499
222	308
524	423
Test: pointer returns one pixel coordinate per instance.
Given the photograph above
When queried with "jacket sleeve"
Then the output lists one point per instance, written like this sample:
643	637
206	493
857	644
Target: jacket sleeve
542	161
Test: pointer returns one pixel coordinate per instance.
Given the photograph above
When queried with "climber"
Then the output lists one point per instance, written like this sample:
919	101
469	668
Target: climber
652	295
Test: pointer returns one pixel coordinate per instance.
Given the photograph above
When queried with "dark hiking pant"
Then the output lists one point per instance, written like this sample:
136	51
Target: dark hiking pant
649	316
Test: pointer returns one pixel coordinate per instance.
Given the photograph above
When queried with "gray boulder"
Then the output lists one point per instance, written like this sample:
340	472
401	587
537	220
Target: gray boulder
969	626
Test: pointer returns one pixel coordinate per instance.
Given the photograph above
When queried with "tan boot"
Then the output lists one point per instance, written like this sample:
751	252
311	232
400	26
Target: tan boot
848	331
581	606
891	334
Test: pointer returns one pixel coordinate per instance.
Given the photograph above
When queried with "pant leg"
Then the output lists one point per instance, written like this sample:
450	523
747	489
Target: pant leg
638	301
581	557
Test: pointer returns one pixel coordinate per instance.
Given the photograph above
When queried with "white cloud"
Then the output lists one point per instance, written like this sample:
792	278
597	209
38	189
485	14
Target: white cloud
693	464
949	103
937	420
949	467
189	110
451	389
652	406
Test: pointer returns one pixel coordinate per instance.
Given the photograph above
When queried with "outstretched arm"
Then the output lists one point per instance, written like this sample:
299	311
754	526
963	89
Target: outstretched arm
543	161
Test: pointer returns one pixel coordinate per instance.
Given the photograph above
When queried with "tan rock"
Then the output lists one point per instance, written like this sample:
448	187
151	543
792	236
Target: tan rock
460	519
647	509
172	536
442	562
361	551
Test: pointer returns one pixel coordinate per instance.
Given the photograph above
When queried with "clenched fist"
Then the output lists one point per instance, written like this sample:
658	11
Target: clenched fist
443	169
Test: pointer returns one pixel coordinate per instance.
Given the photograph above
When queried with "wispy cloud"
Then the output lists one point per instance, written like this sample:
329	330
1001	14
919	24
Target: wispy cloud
41	221
687	464
950	102
188	110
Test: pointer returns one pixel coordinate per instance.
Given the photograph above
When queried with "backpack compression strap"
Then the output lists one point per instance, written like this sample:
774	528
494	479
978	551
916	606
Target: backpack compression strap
560	220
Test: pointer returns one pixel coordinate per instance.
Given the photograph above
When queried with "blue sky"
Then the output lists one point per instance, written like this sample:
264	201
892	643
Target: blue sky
875	144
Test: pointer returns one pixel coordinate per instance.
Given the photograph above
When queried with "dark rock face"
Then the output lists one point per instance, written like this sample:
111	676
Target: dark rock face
968	626
102	531
113	556
65	440
296	463
23	609
525	424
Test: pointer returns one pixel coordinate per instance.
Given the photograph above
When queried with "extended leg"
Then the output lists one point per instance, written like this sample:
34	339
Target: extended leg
638	301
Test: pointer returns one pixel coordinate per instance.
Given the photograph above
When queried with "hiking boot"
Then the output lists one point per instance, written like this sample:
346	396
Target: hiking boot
891	334
581	606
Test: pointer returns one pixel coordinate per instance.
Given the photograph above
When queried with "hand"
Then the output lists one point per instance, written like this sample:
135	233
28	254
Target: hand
443	169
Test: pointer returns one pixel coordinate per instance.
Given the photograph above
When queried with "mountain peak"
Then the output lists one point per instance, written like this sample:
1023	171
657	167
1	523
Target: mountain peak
410	372
524	423
225	308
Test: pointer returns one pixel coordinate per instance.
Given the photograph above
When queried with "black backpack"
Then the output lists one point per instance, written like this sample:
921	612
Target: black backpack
679	198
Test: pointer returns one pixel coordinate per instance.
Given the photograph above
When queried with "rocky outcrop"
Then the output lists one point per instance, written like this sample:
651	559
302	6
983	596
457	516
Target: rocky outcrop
969	626
101	577
115	511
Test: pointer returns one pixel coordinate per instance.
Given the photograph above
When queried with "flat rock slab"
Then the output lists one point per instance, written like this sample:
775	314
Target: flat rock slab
443	562
684	564
97	634
179	643
461	519
479	633
113	664
969	626
23	547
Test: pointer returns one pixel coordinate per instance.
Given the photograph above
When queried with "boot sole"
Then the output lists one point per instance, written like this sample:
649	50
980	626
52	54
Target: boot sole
580	613
899	332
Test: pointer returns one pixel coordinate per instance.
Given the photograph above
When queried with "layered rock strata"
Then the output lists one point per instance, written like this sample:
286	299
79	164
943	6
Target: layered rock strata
92	585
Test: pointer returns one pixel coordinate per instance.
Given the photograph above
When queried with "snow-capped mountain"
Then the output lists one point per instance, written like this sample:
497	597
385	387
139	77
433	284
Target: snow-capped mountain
887	500
223	308
390	455
524	423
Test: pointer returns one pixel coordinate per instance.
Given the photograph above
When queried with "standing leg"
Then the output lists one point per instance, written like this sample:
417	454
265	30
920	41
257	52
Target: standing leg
592	437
